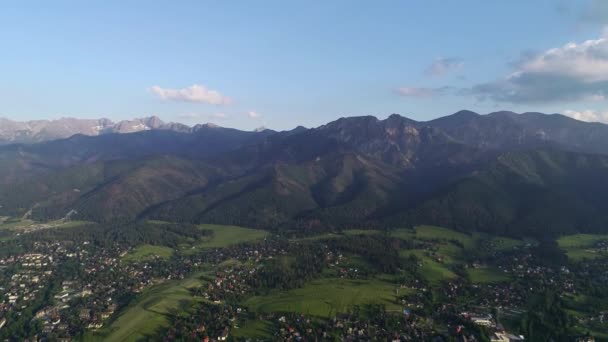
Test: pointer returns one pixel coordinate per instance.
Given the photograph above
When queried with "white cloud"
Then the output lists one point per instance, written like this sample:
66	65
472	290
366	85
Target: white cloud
194	93
415	92
200	116
586	61
254	115
588	115
443	66
422	92
573	72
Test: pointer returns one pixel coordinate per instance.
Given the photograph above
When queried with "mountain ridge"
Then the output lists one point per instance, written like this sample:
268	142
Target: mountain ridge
351	172
36	131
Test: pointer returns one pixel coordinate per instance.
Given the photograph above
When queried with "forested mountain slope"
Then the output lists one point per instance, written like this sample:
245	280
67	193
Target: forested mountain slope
516	174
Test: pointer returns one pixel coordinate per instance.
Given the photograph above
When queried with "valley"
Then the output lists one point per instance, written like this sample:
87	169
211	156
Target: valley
358	229
299	171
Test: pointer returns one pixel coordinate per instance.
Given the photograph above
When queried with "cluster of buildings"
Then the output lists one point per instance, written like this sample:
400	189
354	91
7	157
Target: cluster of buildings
22	280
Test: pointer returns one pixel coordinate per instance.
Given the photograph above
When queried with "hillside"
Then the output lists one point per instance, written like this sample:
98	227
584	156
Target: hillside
526	193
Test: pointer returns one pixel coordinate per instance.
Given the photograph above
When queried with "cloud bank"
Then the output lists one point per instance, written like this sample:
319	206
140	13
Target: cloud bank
254	115
588	115
422	92
194	93
198	116
573	72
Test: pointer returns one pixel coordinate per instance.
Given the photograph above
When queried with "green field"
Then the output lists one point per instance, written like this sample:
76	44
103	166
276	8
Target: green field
360	232
148	252
580	240
15	224
404	234
431	233
432	270
577	246
348	232
11	227
487	275
224	236
70	224
326	297
450	248
253	329
19	224
325	236
149	312
444	234
504	243
439	233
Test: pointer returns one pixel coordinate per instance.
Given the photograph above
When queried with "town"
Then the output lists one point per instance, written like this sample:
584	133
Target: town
65	289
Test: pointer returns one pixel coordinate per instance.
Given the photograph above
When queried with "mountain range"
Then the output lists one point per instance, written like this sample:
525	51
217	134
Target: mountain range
28	132
527	174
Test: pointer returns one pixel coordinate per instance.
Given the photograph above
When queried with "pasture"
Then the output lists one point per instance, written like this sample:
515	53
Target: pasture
224	236
253	329
326	297
487	276
148	252
581	246
431	269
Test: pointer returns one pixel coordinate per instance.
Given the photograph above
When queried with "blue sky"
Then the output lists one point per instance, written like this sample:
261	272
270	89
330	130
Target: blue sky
279	64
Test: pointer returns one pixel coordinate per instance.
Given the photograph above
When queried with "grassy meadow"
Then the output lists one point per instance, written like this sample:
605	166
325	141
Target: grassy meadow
326	297
224	236
580	246
147	252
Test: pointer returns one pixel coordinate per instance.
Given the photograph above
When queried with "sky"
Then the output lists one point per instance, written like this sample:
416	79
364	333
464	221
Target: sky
280	64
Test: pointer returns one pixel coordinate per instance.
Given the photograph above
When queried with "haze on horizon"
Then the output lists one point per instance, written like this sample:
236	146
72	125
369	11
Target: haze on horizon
285	64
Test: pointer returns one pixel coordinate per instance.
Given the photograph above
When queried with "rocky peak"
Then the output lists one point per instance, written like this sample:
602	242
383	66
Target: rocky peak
27	132
153	122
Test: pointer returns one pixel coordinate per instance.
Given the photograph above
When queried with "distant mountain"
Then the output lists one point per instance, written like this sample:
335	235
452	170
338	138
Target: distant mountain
55	175
28	132
508	130
517	174
525	193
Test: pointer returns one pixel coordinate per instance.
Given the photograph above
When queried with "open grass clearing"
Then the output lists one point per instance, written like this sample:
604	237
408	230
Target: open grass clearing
505	243
224	236
344	233
431	269
326	297
487	276
256	329
440	233
361	232
434	233
580	246
580	240
18	225
148	252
